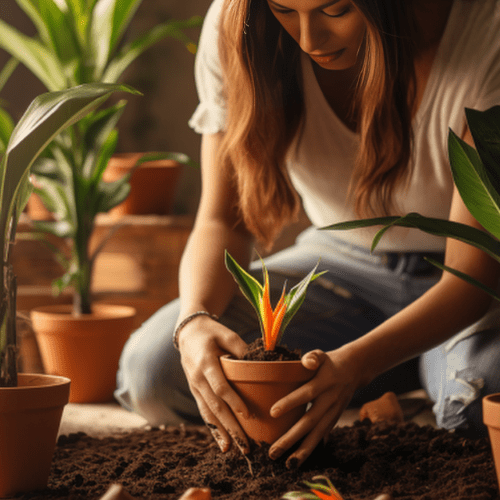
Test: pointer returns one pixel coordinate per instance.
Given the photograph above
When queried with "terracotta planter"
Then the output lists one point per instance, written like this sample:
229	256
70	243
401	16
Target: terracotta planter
85	348
261	384
30	415
152	185
491	418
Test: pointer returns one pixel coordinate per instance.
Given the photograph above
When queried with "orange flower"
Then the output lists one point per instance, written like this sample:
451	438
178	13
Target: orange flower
271	320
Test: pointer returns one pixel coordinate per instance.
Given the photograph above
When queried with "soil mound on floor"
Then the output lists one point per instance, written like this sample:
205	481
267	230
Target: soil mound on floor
362	461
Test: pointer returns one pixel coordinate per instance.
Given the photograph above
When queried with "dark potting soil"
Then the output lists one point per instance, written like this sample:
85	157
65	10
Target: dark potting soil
256	352
404	460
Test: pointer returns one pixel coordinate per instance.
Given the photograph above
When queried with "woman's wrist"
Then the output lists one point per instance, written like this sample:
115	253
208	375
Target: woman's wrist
187	319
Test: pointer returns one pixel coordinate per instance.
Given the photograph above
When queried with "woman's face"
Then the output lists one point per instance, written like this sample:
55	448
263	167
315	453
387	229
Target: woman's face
329	31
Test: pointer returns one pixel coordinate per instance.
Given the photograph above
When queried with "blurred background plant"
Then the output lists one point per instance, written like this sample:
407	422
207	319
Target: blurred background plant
81	42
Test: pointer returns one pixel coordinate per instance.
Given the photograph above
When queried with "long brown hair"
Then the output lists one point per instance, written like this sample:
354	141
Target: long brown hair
261	65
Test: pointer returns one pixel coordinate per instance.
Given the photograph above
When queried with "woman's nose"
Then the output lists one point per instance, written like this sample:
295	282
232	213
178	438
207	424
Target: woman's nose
312	34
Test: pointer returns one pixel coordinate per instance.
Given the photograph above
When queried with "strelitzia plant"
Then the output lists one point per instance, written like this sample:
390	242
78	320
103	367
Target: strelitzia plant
319	491
476	174
46	117
272	321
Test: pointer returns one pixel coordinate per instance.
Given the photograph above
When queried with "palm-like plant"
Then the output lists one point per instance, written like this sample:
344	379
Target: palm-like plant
46	117
79	42
476	173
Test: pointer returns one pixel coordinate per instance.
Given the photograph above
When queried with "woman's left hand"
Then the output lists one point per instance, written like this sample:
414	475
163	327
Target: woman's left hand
330	391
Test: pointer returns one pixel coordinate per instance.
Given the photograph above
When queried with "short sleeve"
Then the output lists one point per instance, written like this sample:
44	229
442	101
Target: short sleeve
210	114
487	71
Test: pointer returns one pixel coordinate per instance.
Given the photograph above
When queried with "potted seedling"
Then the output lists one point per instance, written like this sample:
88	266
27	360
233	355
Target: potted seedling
476	173
77	42
30	405
261	383
318	491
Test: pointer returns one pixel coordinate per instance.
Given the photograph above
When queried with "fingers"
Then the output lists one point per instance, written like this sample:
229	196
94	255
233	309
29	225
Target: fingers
314	425
313	360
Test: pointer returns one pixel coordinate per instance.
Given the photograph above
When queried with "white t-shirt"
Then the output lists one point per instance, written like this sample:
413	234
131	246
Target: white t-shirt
465	73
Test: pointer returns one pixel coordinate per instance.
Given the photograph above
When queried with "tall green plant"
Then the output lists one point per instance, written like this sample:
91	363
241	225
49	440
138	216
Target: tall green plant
83	41
46	117
476	173
77	42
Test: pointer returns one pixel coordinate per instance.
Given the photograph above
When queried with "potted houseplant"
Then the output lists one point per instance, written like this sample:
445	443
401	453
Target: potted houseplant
30	405
262	382
79	42
476	173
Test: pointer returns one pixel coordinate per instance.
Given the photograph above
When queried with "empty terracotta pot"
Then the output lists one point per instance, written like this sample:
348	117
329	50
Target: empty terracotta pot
152	185
84	348
491	418
30	415
261	384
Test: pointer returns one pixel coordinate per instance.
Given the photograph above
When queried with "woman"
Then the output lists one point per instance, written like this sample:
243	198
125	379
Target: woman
344	106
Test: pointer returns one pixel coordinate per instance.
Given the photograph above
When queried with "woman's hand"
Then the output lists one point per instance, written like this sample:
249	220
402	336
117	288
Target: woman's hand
201	343
330	391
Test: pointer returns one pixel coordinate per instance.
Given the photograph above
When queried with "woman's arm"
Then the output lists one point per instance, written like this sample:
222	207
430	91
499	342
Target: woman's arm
447	308
206	285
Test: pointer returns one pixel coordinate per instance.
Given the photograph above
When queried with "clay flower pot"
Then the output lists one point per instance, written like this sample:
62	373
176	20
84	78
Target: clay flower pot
261	384
152	185
491	418
84	348
30	415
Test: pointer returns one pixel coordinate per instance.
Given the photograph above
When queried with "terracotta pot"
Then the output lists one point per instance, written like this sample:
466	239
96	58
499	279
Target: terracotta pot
85	348
152	185
30	415
491	418
261	384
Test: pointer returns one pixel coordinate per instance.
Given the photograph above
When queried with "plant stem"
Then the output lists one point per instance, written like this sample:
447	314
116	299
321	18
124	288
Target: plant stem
8	357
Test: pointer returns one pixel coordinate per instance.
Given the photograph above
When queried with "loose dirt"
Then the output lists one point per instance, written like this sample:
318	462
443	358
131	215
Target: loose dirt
364	460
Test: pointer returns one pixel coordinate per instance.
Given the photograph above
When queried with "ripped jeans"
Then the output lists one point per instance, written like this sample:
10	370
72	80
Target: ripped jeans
360	291
460	372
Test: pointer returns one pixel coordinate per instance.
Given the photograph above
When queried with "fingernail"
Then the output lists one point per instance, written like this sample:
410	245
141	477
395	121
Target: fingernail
221	443
275	411
293	463
275	452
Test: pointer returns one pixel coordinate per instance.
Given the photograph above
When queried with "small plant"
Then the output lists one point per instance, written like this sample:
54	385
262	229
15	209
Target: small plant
272	322
476	173
319	491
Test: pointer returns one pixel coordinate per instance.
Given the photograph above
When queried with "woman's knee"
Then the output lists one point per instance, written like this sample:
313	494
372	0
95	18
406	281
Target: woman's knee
458	374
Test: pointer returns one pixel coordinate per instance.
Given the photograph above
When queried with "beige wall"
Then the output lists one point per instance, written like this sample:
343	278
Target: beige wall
164	74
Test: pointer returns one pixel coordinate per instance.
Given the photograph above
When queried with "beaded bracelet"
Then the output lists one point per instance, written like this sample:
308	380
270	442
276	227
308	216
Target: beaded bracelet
185	321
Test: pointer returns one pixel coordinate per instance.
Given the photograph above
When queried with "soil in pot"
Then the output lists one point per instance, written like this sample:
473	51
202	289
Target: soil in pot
405	460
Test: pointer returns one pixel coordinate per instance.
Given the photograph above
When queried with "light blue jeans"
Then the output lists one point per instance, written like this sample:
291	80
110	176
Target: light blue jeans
359	291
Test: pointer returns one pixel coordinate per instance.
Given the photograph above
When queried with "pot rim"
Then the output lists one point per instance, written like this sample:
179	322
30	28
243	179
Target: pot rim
491	410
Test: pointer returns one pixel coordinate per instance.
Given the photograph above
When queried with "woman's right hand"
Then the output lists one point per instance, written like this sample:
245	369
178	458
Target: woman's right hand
201	343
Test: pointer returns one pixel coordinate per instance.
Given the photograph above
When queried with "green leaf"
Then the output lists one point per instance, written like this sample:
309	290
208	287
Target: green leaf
7	71
61	37
295	298
34	55
132	50
6	128
465	277
109	21
485	129
248	285
112	194
473	184
437	227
